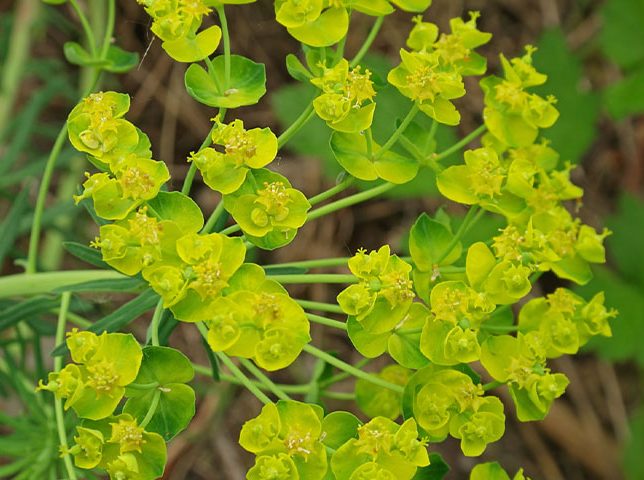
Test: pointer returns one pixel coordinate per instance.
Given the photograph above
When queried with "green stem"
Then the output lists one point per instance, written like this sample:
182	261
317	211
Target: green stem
368	41
472	216
338	395
313	278
35	283
327	321
340	187
350	200
492	385
234	369
457	146
156	318
190	176
109	31
336	362
231	229
153	408
319	306
87	29
19	46
214	217
143	386
266	382
399	131
499	328
58	404
323	262
226	39
368	135
75	319
299	122
344	375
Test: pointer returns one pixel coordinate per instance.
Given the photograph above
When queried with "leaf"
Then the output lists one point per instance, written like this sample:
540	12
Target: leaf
194	48
86	254
633	465
626	97
77	55
368	344
164	365
326	30
338	428
247	83
9	227
428	241
173	414
436	470
179	208
119	60
296	69
128	284
26	309
622	36
576	128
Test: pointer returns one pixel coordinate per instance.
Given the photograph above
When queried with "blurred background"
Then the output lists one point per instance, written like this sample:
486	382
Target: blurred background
593	52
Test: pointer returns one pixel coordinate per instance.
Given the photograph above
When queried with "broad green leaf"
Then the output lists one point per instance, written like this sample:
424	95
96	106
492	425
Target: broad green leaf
194	48
329	28
164	365
377	401
436	470
575	130
412	5
179	208
296	69
628	229
77	55
626	97
428	240
173	414
350	150
119	60
488	471
246	86
338	427
368	344
622	36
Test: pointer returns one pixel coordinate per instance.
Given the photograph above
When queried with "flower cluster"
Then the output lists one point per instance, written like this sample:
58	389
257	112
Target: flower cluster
293	440
431	74
176	23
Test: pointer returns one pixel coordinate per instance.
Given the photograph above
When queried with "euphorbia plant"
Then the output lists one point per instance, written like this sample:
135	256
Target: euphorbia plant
444	314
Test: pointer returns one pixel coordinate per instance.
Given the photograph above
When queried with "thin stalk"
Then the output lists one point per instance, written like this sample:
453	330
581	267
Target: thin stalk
399	131
472	216
459	145
231	229
299	122
340	187
226	39
109	31
344	375
314	278
371	36
234	369
35	283
190	176
154	326
214	217
356	372
143	386
338	395
327	321
75	319
153	408
368	134
263	379
492	385
350	200
323	262
87	28
58	404
319	306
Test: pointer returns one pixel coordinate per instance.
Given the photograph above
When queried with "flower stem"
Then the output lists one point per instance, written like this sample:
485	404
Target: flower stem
263	379
58	404
320	263
153	408
190	176
356	372
154	325
35	283
314	278
327	321
340	187
492	385
319	306
457	146
299	122
350	200
226	37
399	131
214	217
243	379
371	36
473	215
87	29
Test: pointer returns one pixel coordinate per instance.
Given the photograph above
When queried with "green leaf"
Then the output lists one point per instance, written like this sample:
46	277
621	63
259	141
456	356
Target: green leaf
412	5
86	254
626	97
194	48
247	83
350	150
179	208
296	69
428	240
633	465
488	471
9	227
338	428
128	284
26	309
368	344
164	365
328	29
575	130
622	36
628	230
436	470
77	55
119	60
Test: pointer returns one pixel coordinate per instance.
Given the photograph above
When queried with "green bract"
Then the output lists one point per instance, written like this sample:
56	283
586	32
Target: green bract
268	210
494	471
